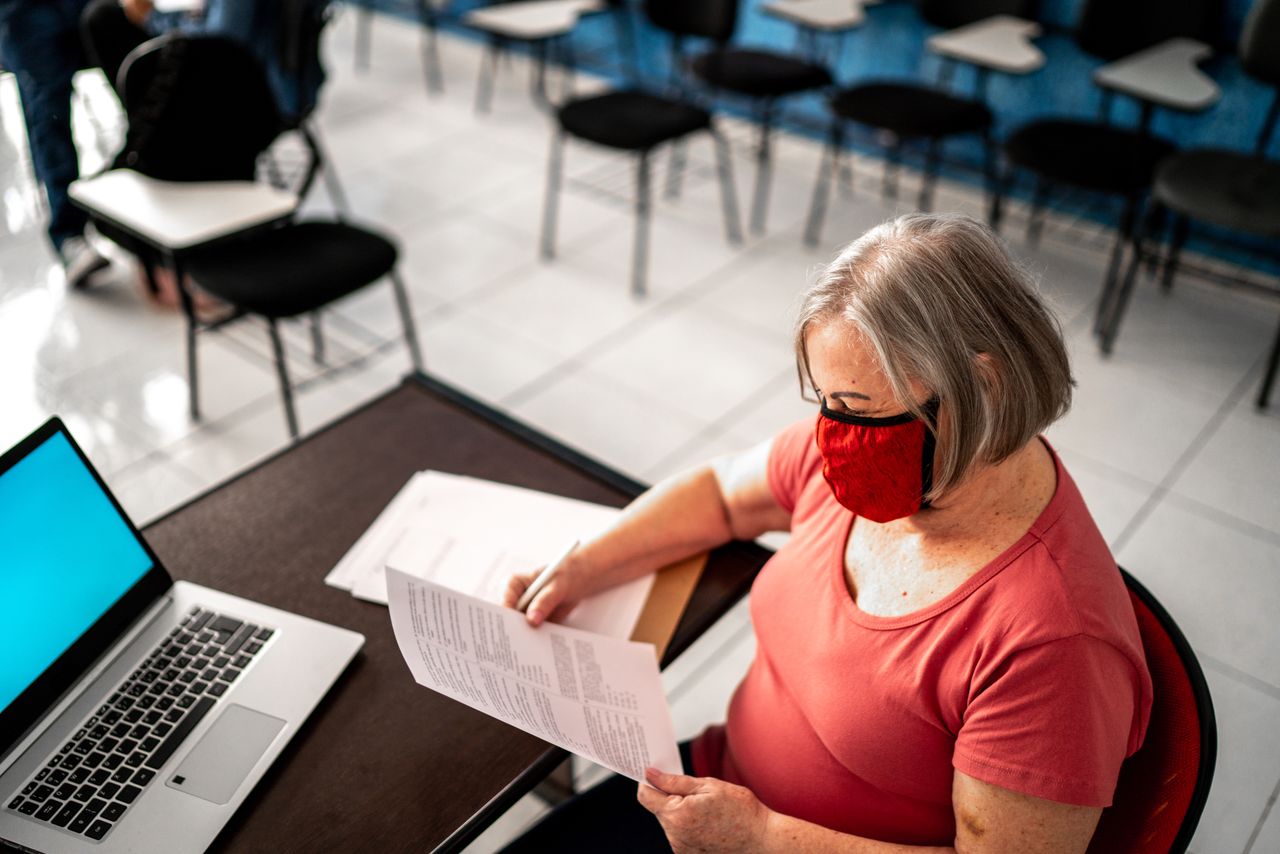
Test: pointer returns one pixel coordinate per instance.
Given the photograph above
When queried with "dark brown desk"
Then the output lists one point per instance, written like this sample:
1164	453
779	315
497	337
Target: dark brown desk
384	764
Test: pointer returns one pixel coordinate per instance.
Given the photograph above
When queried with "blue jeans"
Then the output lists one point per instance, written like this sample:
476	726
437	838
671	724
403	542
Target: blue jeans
40	43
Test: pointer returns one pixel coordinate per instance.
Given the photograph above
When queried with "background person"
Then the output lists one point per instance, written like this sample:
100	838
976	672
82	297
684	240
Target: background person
112	28
39	43
946	653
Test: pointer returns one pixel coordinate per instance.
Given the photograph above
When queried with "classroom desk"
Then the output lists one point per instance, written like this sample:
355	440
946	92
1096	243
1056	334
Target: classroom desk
384	764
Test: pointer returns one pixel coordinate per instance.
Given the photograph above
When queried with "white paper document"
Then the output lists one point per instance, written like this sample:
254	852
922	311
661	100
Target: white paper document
596	696
472	535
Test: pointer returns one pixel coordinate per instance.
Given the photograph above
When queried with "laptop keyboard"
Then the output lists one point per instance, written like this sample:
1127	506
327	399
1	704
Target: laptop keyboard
89	784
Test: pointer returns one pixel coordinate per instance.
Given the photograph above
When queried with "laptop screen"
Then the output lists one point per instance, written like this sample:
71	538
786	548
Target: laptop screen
67	555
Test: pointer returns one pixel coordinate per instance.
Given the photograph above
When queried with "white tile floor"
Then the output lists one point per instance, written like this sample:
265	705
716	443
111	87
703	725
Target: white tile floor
1182	473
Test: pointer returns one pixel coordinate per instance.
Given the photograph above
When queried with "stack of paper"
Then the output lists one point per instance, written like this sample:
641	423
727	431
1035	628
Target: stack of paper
441	555
472	535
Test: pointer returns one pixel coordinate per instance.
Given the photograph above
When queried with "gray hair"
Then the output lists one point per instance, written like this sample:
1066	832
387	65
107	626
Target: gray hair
942	302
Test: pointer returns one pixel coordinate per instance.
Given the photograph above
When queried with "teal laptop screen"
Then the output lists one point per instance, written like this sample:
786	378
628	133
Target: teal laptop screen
66	556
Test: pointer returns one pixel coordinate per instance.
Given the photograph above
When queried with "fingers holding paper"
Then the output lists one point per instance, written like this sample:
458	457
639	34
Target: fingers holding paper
553	602
703	814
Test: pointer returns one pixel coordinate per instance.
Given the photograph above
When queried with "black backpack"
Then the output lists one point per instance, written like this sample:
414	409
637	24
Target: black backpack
199	109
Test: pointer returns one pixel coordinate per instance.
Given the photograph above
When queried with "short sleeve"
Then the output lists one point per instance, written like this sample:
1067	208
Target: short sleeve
793	457
1054	721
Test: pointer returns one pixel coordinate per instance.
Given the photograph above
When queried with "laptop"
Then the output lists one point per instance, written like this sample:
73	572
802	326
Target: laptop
136	712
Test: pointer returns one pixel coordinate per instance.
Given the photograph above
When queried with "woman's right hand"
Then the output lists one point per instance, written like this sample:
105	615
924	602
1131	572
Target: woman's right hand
555	600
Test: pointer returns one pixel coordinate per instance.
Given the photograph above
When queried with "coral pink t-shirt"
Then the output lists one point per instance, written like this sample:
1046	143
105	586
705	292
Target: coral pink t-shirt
1030	675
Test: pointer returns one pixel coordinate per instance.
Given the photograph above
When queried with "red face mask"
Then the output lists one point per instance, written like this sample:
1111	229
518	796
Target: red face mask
879	468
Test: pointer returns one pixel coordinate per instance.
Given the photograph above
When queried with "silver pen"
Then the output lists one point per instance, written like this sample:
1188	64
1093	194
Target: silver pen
544	577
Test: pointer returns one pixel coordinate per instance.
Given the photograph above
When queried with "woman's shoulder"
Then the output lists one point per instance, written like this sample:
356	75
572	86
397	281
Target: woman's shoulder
794	464
1064	581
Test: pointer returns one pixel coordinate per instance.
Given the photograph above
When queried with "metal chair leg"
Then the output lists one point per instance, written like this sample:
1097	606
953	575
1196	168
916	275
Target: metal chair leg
844	172
286	390
889	178
675	169
193	371
822	184
1122	290
406	319
430	47
149	273
760	199
728	192
317	339
1118	304
929	178
364	34
1144	235
1035	219
488	73
568	68
538	74
1269	379
193	325
323	164
640	251
1156	224
1125	232
551	200
990	175
1004	185
1181	230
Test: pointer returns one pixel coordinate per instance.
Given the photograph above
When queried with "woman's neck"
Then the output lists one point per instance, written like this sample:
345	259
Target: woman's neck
1014	492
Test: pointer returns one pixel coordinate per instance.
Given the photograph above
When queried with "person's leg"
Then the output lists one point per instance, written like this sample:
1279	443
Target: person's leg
40	45
108	36
606	817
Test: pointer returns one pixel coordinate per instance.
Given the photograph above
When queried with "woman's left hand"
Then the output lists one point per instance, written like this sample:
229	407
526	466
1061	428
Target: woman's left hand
703	814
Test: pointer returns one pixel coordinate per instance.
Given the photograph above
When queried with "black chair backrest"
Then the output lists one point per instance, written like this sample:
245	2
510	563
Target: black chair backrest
1260	42
199	109
1110	29
710	19
950	14
1260	57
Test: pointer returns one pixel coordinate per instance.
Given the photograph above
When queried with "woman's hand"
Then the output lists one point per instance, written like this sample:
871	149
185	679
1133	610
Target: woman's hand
554	601
703	814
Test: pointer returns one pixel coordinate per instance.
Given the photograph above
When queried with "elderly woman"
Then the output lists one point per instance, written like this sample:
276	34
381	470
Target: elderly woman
946	654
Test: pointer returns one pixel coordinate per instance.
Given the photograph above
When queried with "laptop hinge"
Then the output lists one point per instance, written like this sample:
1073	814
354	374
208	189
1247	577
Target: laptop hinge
87	681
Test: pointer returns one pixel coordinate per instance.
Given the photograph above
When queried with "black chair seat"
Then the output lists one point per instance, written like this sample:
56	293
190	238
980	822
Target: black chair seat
1088	154
294	269
759	73
1225	188
908	110
631	120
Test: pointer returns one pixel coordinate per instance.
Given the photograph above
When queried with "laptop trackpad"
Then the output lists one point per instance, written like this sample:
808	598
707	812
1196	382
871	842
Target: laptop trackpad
214	769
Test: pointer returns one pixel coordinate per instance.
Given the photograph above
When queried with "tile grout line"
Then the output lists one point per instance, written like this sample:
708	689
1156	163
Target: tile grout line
1262	820
683	298
1243	677
720	426
655	312
1164	487
1243	526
